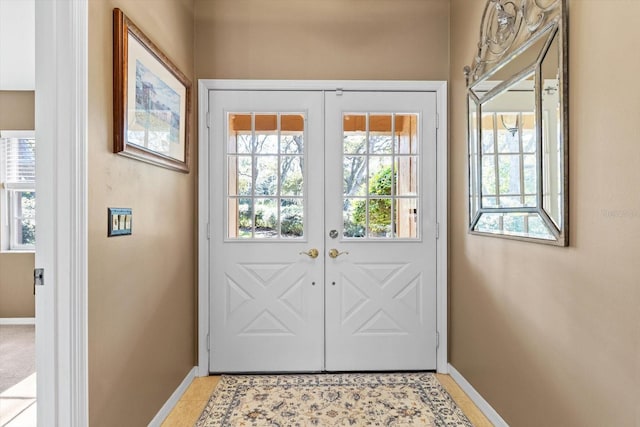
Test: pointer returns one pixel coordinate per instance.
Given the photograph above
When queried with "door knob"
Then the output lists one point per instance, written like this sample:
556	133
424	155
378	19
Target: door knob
311	253
334	253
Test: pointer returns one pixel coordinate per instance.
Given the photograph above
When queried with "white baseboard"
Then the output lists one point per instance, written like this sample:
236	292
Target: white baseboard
482	404
17	320
166	409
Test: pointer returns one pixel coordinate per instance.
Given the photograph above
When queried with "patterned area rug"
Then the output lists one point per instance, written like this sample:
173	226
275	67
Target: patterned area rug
391	400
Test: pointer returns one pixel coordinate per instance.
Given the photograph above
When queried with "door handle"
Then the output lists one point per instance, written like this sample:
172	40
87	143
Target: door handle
334	253
311	253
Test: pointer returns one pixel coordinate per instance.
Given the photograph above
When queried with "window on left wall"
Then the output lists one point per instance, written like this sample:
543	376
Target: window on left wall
17	190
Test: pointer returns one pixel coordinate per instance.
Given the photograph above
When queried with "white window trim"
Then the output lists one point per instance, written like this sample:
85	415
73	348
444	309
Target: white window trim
7	243
26	134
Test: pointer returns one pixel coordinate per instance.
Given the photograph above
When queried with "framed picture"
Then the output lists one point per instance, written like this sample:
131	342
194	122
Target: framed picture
151	100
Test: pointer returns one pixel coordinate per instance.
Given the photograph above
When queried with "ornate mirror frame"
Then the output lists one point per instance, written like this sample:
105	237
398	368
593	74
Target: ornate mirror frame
518	125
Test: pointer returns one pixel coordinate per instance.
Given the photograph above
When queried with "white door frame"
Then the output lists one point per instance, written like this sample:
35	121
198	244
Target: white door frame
61	186
204	123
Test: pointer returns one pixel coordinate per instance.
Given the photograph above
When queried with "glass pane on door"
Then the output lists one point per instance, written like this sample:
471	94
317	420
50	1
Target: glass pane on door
380	176
265	176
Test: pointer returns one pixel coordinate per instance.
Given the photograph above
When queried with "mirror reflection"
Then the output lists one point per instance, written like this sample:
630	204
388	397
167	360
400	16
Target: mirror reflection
552	160
517	121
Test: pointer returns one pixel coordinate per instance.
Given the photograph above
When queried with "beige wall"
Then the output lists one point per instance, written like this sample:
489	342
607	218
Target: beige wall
141	287
328	39
17	112
16	285
551	336
554	340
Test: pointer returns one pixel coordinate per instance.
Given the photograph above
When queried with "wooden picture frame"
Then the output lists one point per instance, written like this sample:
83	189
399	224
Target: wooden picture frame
151	100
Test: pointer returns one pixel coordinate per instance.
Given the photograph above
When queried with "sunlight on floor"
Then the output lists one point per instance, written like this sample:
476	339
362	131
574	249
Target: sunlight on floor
18	404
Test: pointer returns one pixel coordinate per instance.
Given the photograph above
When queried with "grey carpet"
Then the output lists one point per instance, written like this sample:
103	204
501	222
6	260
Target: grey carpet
17	354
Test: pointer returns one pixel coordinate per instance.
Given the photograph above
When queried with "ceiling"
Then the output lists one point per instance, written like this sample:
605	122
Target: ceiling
17	45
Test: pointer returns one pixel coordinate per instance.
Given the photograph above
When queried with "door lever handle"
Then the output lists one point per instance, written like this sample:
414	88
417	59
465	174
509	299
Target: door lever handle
311	253
334	253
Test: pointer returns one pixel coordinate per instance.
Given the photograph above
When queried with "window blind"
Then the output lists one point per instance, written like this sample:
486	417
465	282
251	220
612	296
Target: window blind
19	158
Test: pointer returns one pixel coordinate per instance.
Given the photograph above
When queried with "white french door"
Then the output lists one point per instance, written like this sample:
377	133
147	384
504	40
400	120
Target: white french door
266	297
381	292
323	231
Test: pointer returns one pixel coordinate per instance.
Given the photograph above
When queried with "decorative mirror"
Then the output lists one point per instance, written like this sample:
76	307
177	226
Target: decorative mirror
518	122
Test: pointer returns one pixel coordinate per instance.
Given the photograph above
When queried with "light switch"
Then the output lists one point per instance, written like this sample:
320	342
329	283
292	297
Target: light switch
119	221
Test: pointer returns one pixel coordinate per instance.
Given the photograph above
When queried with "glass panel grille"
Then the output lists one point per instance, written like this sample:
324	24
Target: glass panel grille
380	176
265	175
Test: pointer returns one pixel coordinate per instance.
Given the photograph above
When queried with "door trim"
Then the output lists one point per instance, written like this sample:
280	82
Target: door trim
61	247
205	85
